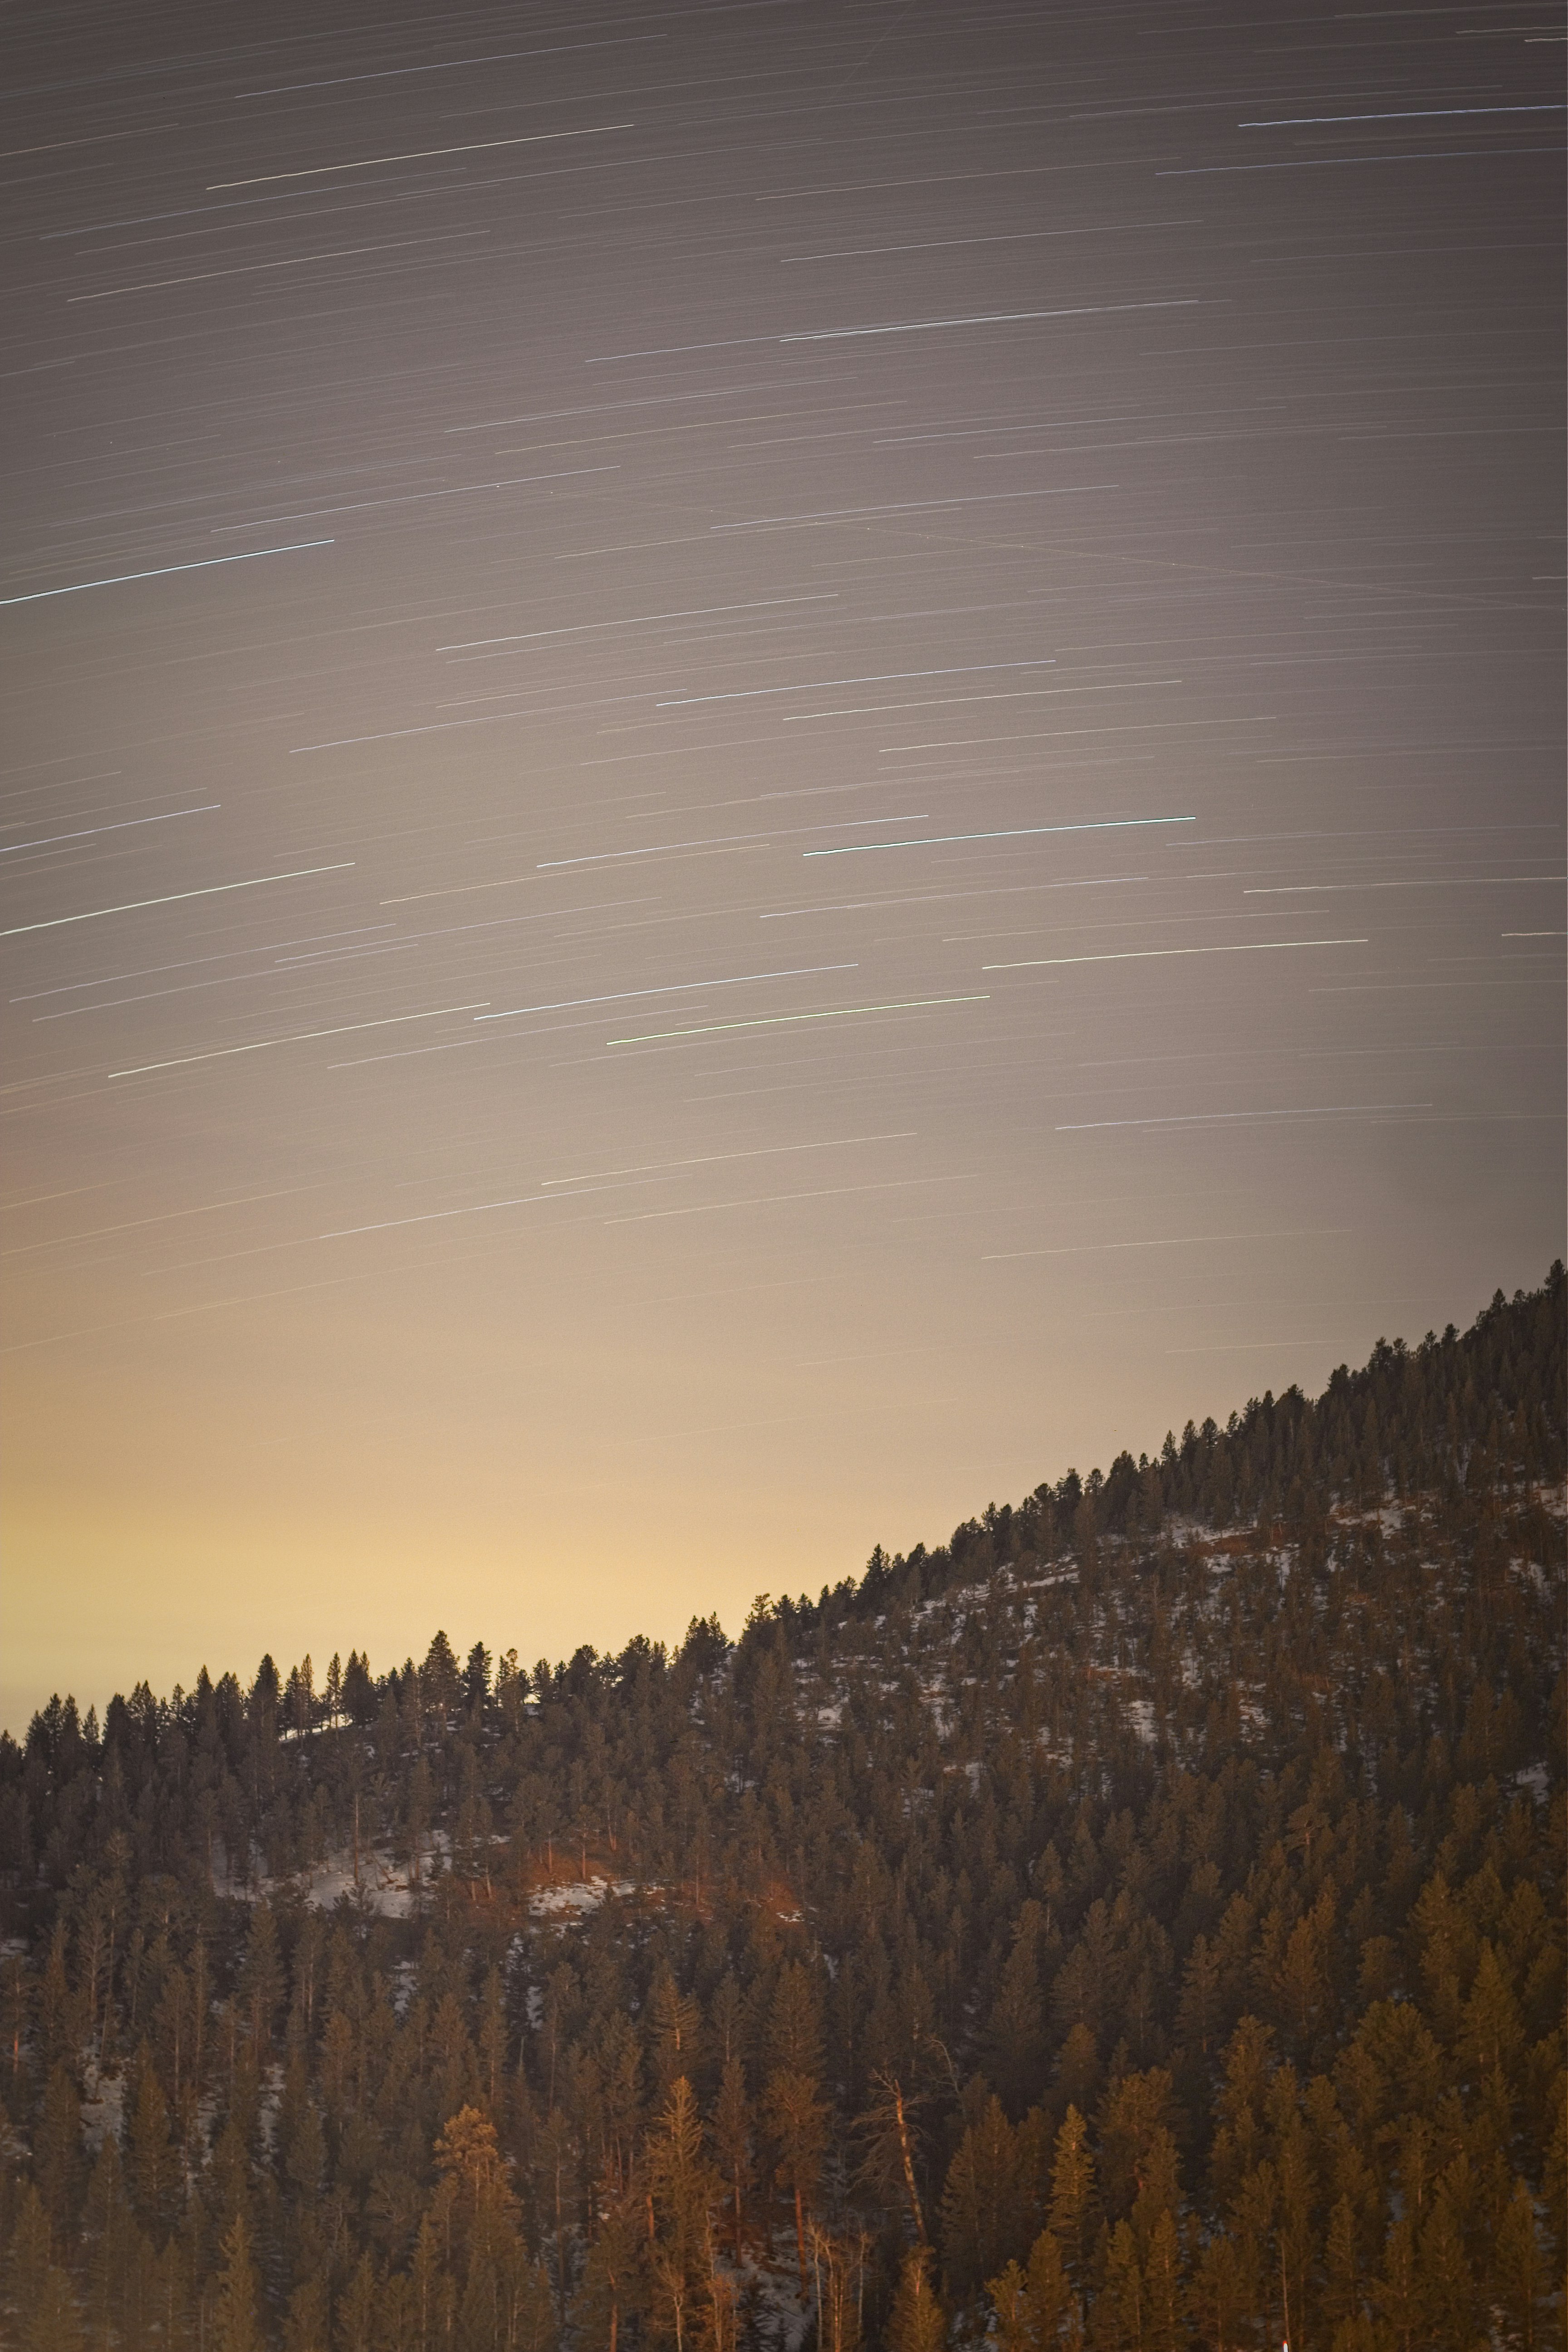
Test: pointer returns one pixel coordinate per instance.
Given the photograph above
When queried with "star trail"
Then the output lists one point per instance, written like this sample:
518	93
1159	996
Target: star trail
461	462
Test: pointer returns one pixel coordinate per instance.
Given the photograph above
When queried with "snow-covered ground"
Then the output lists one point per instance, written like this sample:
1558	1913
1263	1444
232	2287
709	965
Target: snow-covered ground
102	2106
575	1897
383	1884
380	1888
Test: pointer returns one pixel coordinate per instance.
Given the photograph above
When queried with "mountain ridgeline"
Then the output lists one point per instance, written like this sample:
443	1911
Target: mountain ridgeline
1135	1922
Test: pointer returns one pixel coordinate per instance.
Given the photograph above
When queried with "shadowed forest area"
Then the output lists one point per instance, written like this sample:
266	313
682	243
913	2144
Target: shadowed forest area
1135	1922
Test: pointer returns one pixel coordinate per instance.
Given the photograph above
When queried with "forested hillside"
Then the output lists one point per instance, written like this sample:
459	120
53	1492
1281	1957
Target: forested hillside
1138	1922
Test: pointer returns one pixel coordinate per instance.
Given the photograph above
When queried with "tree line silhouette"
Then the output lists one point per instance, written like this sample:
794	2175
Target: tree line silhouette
1138	1922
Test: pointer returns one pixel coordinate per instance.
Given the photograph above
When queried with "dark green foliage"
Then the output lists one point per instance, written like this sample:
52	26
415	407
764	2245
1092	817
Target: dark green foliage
1145	1911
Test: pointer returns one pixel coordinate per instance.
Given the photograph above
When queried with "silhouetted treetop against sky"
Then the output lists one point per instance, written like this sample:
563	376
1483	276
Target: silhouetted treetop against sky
1137	1922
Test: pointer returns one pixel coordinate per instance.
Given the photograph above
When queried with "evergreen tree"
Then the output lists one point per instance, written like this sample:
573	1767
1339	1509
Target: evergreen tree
237	2321
1073	2202
1031	2304
917	2322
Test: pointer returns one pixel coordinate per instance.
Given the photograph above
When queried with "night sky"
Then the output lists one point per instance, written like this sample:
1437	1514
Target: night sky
764	766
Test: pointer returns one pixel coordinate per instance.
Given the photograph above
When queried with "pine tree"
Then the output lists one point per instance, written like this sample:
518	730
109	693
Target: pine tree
153	2164
358	2308
261	1978
492	2037
237	2325
1015	2045
1165	2290
109	2230
530	2312
305	2323
731	2138
396	2311
1398	2293
1523	2273
1451	2299
796	2120
1342	2299
433	2295
917	2322
58	2152
28	2256
614	2282
683	2189
675	2028
1490	2033
986	2208
794	2029
1031	2304
1072	2211
1121	2320
54	2323
1198	2017
1219	2298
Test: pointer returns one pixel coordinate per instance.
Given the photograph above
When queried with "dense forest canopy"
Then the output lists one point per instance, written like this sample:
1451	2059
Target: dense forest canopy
1137	1922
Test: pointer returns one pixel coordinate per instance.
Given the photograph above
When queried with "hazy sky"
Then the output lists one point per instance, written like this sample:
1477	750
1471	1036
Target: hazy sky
764	766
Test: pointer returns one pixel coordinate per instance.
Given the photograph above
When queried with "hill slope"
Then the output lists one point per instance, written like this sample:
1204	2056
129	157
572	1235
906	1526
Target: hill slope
1141	1916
